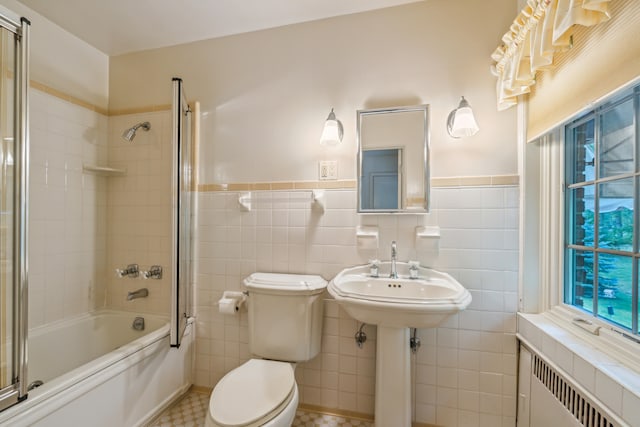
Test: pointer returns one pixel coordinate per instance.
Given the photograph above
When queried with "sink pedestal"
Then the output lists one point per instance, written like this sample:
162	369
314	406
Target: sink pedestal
393	378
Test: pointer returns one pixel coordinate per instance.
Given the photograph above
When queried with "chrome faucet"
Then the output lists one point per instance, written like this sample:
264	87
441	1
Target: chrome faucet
394	255
140	293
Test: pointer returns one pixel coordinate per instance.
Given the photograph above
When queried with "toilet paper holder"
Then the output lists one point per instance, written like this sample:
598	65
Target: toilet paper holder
231	302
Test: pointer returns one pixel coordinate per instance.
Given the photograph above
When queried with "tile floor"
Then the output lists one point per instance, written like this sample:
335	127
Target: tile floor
190	411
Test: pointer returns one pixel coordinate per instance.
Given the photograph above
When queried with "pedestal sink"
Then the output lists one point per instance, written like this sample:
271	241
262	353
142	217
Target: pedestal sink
395	305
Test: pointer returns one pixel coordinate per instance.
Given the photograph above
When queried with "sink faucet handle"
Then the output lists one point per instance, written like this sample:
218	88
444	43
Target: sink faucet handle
374	267
413	269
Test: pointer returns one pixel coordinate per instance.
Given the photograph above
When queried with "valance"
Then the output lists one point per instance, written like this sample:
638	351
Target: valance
542	28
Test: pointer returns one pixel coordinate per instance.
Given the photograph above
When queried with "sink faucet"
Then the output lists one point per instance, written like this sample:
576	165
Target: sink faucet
140	293
394	254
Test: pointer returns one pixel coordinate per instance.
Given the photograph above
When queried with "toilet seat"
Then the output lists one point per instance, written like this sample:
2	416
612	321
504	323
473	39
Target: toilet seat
252	394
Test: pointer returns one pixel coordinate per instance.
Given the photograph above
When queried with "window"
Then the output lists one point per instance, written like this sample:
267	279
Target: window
602	185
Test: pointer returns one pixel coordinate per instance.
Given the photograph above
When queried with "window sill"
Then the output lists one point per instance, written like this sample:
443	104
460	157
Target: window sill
604	365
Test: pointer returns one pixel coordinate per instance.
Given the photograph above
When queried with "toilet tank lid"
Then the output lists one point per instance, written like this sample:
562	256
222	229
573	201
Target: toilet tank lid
302	284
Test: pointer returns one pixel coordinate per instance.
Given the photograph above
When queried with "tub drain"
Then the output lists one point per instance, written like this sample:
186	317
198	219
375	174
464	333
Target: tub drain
35	384
138	324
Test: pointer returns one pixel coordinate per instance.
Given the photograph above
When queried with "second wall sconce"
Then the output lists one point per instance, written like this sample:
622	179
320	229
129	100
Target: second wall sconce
333	130
461	121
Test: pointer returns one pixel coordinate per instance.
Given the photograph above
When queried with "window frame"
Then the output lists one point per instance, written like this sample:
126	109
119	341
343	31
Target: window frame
542	232
597	115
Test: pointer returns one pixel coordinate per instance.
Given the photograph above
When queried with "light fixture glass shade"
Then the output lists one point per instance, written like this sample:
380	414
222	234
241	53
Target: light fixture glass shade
333	131
461	121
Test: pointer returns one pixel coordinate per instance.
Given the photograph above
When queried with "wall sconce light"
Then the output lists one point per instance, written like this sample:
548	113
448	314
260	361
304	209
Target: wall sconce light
461	122
333	130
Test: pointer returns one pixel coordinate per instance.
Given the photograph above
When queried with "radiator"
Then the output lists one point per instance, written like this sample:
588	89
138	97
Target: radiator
548	398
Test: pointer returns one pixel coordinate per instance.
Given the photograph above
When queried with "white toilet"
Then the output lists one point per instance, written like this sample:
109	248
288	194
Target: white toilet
285	326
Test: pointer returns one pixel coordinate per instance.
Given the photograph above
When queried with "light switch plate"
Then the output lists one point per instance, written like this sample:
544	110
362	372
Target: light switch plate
328	170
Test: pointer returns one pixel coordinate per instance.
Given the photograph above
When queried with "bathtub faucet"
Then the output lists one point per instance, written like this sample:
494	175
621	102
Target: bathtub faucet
140	293
394	255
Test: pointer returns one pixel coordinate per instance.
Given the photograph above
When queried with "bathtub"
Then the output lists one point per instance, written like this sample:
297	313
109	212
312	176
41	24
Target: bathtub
98	371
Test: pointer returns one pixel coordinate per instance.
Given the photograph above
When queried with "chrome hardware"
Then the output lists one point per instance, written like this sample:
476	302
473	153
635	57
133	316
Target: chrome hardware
138	324
35	384
360	337
140	293
155	272
413	269
394	255
374	268
414	341
132	270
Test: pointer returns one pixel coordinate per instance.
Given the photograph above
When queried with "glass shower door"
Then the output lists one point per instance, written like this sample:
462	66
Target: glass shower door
13	208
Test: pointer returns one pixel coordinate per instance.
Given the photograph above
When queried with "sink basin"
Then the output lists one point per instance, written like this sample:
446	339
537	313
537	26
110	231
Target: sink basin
424	302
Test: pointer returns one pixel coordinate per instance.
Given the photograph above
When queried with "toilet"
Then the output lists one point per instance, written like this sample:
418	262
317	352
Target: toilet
285	327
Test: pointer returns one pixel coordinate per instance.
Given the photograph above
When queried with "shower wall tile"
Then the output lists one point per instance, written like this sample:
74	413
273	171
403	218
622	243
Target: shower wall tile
465	369
67	241
139	211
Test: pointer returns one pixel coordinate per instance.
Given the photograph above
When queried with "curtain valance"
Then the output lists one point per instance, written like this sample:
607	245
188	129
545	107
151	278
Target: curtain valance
542	28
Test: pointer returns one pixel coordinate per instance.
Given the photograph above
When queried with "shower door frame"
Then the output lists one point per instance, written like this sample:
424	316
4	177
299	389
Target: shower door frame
16	391
182	196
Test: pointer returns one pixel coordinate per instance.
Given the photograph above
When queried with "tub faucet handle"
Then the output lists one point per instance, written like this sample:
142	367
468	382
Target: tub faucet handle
131	270
155	272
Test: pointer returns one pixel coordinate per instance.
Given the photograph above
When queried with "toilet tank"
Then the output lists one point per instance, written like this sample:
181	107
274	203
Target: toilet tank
285	315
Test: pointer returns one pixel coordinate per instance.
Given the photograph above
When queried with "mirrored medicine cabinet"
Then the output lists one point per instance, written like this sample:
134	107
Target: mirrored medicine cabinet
393	160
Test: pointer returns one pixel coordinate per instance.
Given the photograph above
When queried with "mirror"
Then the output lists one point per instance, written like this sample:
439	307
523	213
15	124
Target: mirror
393	160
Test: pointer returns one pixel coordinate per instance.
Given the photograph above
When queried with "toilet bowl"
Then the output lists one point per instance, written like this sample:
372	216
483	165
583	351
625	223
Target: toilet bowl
258	393
285	327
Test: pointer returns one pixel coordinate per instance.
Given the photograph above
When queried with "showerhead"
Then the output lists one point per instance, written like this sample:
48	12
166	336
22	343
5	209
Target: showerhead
130	133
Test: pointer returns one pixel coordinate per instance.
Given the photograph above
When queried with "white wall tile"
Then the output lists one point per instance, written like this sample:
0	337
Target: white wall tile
609	392
584	373
292	237
630	406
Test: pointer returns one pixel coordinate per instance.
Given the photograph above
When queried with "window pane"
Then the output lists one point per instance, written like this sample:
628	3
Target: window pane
582	224
618	139
615	215
581	141
615	281
580	275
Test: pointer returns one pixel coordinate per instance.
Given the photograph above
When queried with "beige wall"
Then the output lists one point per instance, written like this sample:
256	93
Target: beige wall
64	62
265	94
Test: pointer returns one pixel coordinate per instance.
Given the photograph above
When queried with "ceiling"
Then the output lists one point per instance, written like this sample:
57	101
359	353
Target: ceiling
121	26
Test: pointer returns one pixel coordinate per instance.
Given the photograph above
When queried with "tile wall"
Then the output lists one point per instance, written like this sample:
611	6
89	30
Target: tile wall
67	240
139	211
84	225
464	373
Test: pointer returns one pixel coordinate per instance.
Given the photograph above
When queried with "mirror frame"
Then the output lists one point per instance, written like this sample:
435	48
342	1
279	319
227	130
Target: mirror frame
424	108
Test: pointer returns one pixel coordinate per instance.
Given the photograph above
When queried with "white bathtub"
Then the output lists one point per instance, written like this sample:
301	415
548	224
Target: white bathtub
98	371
